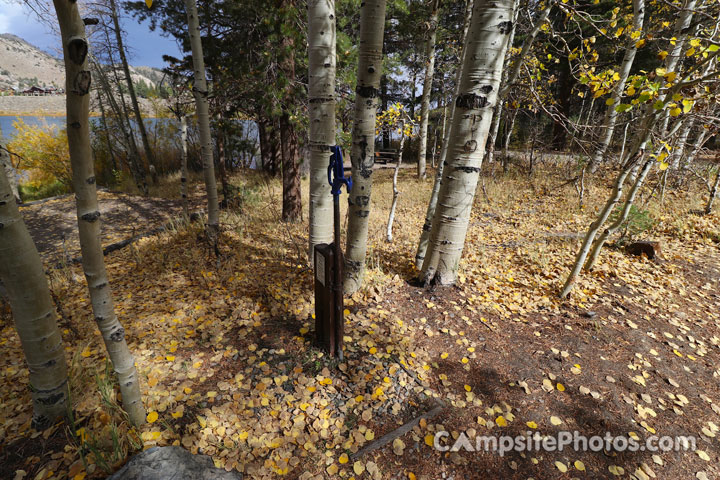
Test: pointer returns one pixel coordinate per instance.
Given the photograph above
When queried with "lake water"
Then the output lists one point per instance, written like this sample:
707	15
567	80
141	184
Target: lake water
8	131
247	131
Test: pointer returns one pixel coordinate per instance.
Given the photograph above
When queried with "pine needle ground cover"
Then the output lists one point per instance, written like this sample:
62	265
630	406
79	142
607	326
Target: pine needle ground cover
228	369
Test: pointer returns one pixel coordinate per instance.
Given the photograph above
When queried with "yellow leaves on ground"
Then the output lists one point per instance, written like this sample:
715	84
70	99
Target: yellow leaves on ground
152	417
615	470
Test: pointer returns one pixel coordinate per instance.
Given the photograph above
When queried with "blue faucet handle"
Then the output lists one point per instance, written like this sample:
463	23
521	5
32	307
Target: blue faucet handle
336	172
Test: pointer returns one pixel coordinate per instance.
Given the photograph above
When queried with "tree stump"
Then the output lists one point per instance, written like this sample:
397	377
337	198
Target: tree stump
651	249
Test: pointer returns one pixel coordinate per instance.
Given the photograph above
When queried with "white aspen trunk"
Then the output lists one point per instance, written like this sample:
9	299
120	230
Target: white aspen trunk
6	167
183	165
446	120
634	156
594	229
713	195
108	142
680	33
22	273
525	50
322	63
396	192
124	114
600	242
131	91
200	90
134	161
494	130
506	142
75	49
679	150
372	26
486	45
624	141
608	127
513	74
697	146
427	88
432	204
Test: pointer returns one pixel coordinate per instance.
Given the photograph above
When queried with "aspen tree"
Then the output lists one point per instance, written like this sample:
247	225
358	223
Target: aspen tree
486	45
511	77
432	204
78	77
652	117
362	156
427	86
713	194
183	164
6	167
22	273
131	90
322	62
611	114
200	90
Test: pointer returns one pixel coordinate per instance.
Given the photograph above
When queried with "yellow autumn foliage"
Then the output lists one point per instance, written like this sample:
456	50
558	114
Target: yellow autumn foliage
43	153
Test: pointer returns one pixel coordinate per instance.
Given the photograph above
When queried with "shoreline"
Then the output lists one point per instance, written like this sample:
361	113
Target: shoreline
48	106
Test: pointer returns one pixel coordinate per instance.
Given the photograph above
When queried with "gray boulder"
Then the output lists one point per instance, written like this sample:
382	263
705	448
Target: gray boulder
171	463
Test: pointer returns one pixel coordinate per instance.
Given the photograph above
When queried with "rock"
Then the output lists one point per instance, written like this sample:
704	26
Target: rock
166	463
649	248
589	314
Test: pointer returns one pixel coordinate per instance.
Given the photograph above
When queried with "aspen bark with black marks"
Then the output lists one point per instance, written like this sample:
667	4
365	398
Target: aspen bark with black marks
486	46
321	91
611	114
396	192
362	156
78	79
200	90
432	203
23	275
131	90
427	87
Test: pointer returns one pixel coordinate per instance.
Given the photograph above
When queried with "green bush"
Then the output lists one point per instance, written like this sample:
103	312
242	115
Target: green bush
32	192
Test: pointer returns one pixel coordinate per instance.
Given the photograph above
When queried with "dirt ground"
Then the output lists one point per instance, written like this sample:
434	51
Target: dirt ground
53	223
224	347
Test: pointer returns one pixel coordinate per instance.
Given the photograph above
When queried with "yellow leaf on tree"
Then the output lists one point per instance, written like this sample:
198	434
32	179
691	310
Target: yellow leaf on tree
148	3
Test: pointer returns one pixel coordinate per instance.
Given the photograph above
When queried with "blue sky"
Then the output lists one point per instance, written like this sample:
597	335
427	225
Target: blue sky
145	47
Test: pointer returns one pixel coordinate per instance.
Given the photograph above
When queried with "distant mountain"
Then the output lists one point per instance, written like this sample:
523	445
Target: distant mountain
22	65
